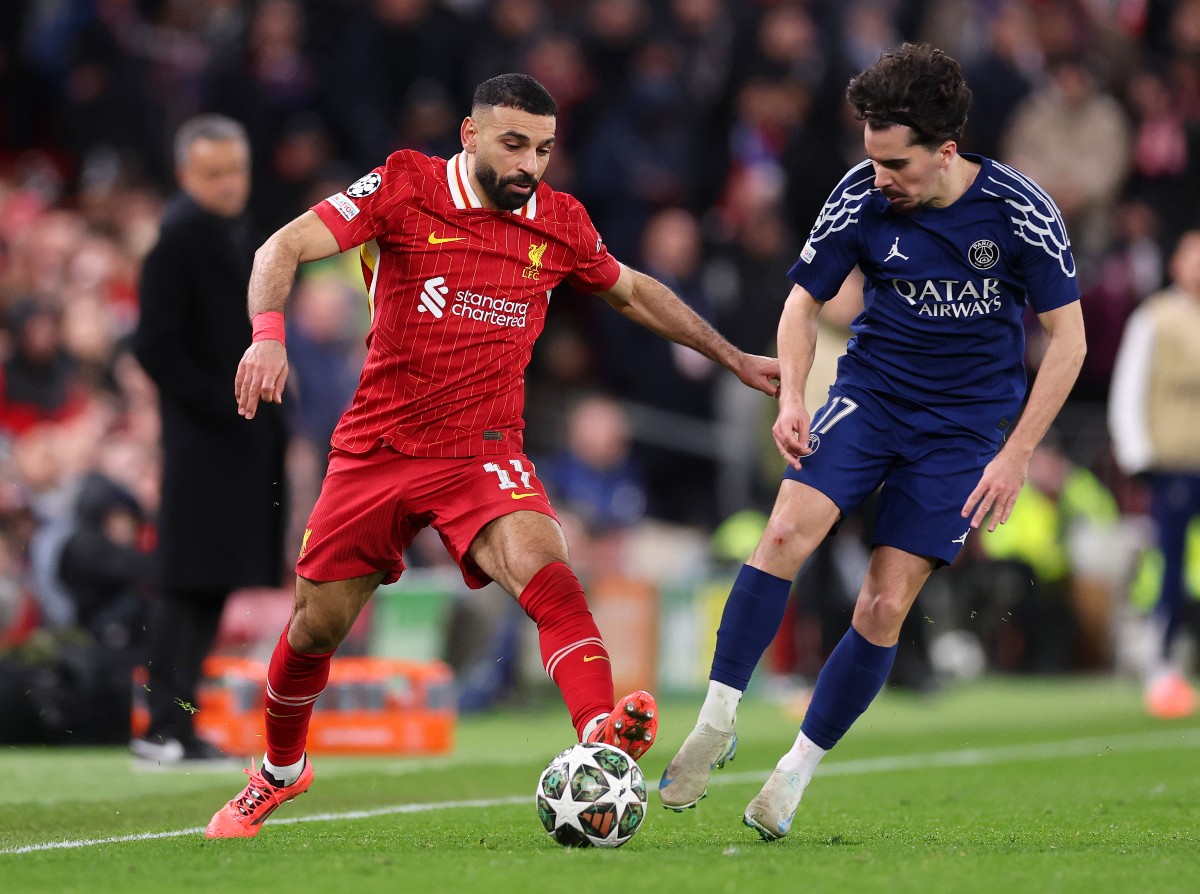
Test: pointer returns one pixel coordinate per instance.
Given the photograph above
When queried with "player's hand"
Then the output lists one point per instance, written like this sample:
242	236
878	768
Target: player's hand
261	375
791	432
997	489
760	373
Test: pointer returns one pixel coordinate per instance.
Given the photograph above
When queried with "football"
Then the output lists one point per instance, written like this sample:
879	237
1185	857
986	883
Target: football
591	795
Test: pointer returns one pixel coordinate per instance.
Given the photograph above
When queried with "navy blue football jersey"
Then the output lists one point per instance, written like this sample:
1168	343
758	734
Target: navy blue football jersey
945	289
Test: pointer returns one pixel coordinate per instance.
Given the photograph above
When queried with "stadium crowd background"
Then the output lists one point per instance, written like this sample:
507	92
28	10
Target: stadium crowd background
703	136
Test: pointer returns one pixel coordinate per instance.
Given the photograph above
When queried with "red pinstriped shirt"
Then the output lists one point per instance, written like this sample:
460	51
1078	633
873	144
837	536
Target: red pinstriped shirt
458	295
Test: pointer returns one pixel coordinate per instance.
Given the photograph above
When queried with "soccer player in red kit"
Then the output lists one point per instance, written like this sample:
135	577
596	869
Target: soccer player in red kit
460	259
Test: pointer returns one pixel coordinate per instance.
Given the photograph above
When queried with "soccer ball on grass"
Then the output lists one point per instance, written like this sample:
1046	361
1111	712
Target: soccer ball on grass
591	795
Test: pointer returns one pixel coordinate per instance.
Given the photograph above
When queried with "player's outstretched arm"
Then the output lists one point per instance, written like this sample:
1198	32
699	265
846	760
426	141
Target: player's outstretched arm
1002	479
649	303
263	370
797	347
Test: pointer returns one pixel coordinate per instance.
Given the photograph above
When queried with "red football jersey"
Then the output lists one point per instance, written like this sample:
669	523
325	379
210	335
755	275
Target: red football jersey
458	294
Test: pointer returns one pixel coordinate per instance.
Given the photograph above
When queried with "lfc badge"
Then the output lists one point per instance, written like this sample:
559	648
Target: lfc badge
535	261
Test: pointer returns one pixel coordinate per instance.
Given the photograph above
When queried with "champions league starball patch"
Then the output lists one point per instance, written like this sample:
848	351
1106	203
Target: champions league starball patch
364	186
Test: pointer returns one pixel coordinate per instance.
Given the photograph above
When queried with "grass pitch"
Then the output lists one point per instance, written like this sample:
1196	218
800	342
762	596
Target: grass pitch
999	786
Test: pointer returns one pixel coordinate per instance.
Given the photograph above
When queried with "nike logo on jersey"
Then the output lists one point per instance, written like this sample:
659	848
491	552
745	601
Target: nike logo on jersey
587	658
894	252
517	496
438	240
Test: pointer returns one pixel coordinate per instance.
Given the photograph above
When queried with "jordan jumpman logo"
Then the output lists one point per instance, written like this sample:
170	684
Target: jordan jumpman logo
894	252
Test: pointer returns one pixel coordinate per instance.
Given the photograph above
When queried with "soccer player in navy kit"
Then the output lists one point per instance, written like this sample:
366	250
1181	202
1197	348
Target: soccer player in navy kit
953	248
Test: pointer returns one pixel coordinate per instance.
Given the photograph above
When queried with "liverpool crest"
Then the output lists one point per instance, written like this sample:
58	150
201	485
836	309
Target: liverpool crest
535	261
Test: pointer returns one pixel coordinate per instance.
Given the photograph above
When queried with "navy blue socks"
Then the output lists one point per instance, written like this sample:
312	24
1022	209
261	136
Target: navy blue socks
846	686
750	621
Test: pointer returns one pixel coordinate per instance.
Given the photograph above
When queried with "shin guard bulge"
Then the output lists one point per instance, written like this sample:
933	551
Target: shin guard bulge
572	650
294	681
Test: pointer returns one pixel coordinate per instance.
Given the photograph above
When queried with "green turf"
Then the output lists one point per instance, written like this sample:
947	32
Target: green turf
1001	786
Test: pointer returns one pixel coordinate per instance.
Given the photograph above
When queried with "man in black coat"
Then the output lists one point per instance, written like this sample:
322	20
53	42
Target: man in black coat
223	492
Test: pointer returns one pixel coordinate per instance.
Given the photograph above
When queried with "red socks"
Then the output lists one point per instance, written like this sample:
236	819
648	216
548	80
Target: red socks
572	651
294	680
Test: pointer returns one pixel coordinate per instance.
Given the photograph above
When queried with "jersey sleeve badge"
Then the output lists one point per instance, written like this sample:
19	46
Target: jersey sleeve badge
364	186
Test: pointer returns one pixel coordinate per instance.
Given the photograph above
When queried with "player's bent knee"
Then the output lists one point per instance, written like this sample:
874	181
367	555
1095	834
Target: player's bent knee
318	629
521	570
325	612
311	640
783	534
783	545
878	617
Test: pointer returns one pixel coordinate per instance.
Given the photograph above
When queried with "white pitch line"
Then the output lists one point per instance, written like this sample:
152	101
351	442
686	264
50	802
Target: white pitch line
92	842
281	821
1096	746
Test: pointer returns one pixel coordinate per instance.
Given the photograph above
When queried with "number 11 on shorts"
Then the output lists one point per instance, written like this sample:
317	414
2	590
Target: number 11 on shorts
506	478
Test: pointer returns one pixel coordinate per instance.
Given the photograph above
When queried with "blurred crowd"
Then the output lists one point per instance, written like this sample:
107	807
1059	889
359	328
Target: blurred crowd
702	135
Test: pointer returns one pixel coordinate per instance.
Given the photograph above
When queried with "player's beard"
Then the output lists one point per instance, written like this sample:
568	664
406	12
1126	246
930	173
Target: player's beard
496	188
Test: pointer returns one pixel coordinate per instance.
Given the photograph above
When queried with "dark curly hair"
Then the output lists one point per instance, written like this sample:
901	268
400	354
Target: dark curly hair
514	91
918	86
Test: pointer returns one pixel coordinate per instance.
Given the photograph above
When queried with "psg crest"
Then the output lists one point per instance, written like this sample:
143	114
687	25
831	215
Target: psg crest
983	254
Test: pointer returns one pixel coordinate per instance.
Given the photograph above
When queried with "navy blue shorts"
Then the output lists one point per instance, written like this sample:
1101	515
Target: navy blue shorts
927	468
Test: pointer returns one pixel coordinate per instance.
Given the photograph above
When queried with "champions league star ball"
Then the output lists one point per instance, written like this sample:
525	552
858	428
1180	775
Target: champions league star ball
591	795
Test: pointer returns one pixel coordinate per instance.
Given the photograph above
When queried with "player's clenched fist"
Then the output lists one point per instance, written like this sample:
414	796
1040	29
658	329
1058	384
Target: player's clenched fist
261	375
791	432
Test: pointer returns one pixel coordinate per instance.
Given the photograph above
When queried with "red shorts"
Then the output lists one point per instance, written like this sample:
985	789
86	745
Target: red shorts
373	504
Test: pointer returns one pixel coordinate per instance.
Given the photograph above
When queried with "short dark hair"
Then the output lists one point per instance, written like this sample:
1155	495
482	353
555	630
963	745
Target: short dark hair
918	86
514	91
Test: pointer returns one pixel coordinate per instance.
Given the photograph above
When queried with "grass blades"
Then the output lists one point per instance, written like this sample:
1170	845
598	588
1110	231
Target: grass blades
1000	786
